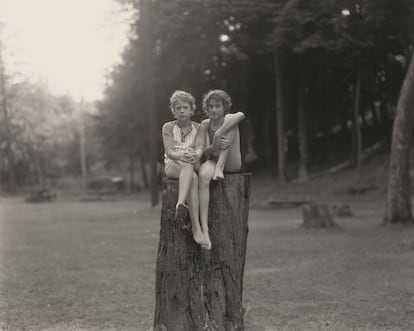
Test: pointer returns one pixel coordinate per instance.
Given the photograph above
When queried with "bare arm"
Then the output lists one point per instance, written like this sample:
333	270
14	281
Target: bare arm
200	141
208	146
230	121
168	141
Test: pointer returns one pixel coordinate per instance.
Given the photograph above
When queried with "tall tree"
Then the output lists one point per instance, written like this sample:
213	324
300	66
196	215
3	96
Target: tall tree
11	178
280	120
398	194
302	130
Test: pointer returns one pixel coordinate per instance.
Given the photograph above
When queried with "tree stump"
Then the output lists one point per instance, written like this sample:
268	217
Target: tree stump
197	289
343	210
317	216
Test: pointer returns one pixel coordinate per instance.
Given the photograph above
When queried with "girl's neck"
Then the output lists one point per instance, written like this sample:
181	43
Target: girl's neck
217	122
183	123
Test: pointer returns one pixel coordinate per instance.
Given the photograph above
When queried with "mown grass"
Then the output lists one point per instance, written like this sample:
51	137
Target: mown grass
71	265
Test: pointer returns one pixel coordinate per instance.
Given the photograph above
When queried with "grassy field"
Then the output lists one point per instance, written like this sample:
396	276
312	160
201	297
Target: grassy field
72	265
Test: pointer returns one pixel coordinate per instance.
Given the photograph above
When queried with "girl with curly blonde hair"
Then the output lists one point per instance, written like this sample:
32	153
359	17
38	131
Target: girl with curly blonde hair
183	149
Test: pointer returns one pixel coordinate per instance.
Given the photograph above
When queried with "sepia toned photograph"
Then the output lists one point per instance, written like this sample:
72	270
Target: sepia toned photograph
206	165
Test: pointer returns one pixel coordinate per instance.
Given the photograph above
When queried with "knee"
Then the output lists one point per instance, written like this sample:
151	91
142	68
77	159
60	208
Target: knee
202	176
205	176
231	134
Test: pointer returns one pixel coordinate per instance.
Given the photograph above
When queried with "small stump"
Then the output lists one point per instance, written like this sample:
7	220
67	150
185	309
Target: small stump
343	210
196	289
317	216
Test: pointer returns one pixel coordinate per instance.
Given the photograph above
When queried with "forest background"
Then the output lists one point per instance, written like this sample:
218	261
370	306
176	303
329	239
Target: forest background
319	83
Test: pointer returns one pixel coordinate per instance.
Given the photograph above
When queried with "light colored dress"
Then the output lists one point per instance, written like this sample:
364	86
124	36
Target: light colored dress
175	139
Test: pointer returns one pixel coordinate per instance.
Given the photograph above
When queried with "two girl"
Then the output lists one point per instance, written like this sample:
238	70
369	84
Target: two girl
216	139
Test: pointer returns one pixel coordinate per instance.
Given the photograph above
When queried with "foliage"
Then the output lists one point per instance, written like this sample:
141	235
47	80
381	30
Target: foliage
41	126
204	44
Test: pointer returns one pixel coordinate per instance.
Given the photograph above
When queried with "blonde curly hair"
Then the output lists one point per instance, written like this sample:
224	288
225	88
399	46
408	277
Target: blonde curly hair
217	95
182	96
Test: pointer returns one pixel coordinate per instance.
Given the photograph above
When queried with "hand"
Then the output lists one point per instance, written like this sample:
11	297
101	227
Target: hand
208	151
224	143
189	156
216	142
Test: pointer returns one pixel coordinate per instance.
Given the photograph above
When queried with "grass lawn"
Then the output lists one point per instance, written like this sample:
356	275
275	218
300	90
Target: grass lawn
71	265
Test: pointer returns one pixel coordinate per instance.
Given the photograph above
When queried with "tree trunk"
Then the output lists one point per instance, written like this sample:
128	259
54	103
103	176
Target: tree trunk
302	135
357	141
8	139
198	289
131	168
43	170
398	194
153	131
143	169
82	144
39	172
267	142
279	119
375	114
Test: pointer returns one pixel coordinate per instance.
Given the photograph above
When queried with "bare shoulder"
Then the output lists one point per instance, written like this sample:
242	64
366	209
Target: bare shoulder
205	123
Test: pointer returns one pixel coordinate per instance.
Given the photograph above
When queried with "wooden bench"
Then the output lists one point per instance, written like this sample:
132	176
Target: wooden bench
42	195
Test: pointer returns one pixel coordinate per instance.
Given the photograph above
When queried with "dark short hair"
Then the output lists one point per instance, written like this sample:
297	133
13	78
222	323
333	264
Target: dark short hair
218	95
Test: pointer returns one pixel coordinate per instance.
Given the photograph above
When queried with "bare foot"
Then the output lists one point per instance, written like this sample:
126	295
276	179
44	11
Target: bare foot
218	173
207	244
199	237
181	211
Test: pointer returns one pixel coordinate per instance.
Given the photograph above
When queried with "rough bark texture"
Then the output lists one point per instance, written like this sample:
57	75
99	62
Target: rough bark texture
398	194
198	289
317	216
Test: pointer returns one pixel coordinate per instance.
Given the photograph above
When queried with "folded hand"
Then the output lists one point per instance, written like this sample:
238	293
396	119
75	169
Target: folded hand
224	143
220	143
190	156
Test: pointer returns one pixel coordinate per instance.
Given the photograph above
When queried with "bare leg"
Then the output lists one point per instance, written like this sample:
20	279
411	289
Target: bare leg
205	175
219	169
176	171
225	155
184	173
184	182
193	209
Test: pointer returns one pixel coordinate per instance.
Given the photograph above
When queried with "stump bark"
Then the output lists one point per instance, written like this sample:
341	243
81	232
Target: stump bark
197	289
317	216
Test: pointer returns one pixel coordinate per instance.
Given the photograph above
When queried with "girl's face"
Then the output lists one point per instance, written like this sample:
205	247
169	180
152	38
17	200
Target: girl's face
182	110
215	109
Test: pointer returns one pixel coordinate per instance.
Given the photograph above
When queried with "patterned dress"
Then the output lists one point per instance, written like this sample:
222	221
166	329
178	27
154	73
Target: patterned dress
176	140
